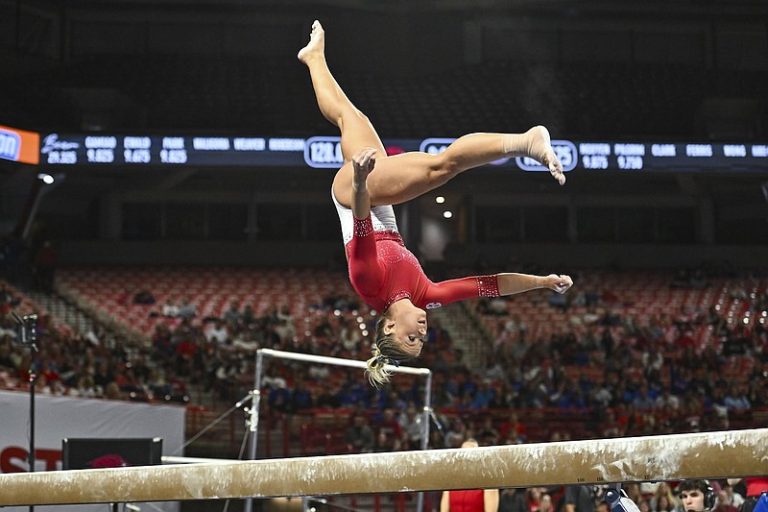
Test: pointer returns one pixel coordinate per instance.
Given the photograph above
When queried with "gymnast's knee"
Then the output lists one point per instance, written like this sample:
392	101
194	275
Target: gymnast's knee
444	165
351	114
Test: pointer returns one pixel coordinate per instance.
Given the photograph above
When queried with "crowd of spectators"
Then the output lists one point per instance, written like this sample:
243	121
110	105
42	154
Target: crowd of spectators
648	496
615	376
605	375
97	364
645	374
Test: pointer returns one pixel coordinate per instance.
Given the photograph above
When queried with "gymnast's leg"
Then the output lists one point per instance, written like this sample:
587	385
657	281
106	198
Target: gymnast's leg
400	178
404	177
356	130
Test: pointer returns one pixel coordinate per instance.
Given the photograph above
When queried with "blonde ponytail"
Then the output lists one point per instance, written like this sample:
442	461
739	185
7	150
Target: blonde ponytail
376	371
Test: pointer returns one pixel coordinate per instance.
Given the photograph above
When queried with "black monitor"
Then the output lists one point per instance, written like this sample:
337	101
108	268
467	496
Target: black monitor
97	453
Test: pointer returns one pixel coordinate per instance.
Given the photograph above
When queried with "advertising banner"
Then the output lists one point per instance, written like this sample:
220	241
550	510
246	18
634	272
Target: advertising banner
19	145
57	418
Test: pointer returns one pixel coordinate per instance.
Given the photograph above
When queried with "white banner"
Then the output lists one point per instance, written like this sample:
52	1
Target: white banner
57	418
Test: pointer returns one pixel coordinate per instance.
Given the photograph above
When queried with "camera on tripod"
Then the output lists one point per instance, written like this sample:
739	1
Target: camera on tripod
26	328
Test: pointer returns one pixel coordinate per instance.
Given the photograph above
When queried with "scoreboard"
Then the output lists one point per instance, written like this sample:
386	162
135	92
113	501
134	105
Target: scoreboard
136	150
676	156
146	150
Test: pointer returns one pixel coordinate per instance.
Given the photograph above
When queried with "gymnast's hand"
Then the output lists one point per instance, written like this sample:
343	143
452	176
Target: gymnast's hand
362	164
558	283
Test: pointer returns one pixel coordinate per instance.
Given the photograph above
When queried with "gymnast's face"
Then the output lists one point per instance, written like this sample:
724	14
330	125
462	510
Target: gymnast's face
409	328
693	500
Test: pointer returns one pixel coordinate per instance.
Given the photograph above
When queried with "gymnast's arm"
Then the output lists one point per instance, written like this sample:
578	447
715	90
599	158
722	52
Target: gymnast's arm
362	165
445	503
491	500
497	285
364	268
511	284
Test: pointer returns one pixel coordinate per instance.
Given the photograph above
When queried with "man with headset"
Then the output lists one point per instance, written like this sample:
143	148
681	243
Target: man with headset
696	496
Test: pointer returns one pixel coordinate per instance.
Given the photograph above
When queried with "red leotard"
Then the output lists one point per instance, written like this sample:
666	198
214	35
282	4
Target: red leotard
466	501
383	271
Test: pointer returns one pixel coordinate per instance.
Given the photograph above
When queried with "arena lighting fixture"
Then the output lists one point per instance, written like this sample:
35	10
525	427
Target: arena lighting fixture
447	214
439	199
46	178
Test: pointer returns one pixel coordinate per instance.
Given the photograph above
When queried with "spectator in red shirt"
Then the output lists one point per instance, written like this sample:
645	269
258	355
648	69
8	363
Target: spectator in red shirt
513	429
474	500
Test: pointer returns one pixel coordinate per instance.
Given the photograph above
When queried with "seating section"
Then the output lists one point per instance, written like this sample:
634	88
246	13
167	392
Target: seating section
211	290
14	301
643	296
709	332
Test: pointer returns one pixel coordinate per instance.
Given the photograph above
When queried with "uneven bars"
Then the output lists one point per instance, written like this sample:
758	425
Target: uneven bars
339	362
333	361
737	453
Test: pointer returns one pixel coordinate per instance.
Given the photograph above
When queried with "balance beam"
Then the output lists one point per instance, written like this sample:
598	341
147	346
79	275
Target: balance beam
729	454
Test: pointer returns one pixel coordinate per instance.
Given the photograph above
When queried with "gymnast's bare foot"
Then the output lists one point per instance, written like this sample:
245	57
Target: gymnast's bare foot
316	45
540	149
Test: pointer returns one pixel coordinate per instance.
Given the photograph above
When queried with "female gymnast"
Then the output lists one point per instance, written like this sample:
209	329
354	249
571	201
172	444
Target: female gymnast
382	271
